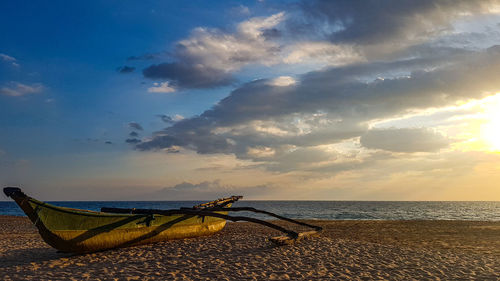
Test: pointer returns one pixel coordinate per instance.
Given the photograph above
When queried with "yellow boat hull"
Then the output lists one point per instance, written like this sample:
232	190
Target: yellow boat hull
80	231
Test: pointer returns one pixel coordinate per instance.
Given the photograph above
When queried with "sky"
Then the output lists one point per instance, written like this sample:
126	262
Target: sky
272	100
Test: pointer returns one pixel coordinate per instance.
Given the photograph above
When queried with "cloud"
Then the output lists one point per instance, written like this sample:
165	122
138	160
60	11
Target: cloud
133	141
161	88
7	58
282	81
208	57
144	57
184	75
108	142
125	69
169	119
382	22
135	126
329	106
166	118
206	190
318	32
321	52
404	140
133	134
240	10
295	159
16	89
373	64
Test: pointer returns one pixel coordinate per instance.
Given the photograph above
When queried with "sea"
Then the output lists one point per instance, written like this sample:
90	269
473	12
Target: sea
316	210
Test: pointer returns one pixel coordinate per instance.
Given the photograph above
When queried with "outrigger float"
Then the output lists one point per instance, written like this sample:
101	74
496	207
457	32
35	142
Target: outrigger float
83	231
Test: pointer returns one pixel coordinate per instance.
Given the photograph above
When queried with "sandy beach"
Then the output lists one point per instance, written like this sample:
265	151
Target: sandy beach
346	250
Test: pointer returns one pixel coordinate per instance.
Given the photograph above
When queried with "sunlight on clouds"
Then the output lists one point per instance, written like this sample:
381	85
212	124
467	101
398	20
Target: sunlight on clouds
324	53
163	87
254	27
228	52
490	131
268	128
282	81
260	152
479	130
474	125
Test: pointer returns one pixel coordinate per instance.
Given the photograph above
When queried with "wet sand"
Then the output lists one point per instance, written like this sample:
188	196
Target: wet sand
346	250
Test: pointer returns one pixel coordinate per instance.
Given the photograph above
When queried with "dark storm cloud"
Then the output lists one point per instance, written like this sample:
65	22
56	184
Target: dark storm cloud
135	126
404	140
125	69
186	75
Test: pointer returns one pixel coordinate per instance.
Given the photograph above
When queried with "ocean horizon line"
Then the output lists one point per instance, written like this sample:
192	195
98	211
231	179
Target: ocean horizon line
277	200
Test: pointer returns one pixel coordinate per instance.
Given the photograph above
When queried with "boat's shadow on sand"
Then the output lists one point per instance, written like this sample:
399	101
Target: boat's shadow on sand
46	255
25	256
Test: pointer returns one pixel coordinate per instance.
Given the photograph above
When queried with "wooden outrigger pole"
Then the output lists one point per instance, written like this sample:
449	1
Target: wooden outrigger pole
210	210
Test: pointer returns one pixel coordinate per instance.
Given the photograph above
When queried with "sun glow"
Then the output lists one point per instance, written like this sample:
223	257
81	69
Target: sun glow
490	130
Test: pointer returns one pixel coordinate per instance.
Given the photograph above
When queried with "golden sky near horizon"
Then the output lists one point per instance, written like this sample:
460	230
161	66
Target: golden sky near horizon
319	100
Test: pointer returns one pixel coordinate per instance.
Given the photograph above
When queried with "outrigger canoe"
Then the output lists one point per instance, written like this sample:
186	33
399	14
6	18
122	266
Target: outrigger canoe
83	231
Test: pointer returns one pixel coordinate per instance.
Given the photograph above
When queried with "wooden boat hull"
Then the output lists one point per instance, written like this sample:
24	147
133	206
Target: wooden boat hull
80	231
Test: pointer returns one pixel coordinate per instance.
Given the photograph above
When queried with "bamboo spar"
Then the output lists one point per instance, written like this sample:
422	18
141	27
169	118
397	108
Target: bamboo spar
291	236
